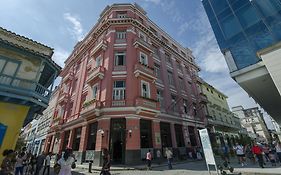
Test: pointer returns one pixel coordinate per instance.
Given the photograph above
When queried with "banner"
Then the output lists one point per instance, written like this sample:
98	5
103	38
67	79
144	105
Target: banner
207	148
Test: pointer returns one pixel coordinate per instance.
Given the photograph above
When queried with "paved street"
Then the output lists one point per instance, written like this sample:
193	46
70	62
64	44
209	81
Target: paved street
192	168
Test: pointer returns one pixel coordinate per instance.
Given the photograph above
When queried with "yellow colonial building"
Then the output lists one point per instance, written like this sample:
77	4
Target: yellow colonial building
27	73
224	126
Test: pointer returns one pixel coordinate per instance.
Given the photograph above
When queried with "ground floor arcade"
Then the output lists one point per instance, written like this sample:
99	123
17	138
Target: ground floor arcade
127	138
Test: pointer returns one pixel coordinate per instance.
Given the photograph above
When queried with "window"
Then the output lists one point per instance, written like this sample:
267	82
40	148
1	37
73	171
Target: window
173	103
145	91
160	98
179	66
119	90
121	14
77	67
98	61
95	91
157	70
168	59
170	78
121	35
143	59
120	58
185	106
10	68
142	36
181	84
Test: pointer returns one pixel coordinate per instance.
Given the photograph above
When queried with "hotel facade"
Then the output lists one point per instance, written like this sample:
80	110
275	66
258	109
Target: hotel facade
128	87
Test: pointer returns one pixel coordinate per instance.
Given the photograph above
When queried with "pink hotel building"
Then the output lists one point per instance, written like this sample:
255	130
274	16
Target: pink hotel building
128	87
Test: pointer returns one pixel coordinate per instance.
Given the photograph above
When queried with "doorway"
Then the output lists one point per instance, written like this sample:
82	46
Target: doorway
118	140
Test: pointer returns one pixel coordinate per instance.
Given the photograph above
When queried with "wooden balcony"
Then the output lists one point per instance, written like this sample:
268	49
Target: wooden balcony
95	73
143	70
91	108
146	104
26	89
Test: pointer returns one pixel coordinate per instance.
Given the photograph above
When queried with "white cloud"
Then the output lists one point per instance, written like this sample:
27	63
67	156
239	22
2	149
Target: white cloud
183	28
76	29
60	55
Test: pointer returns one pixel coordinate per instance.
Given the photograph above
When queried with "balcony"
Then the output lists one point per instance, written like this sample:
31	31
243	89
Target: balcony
24	89
203	98
143	70
91	108
101	45
95	73
222	124
146	104
118	103
63	98
138	42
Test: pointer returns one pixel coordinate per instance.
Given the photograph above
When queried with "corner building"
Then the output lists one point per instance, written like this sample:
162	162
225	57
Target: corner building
128	87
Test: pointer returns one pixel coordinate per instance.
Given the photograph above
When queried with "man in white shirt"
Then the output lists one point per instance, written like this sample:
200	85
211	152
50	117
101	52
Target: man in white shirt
47	164
239	150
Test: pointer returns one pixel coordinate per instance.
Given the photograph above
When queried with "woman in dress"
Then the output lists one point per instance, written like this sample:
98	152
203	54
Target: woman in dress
66	162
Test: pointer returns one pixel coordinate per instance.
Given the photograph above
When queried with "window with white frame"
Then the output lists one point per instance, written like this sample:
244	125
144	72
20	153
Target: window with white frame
170	78
98	62
121	14
119	58
145	90
121	35
185	106
173	103
181	84
119	90
95	91
142	36
168	59
143	58
157	70
160	97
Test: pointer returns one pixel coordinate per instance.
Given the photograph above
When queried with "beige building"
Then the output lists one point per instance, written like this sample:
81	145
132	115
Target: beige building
223	124
252	119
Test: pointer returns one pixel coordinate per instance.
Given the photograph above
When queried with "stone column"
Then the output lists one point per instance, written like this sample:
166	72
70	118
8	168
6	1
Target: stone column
71	137
83	144
133	153
156	135
173	135
62	135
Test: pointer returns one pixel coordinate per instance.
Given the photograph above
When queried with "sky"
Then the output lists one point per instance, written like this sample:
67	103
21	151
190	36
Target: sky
61	24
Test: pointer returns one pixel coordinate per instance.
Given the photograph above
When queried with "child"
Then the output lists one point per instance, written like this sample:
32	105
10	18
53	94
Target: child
272	158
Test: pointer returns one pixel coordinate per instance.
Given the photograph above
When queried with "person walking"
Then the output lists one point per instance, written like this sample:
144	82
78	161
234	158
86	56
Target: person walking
19	163
258	152
148	159
66	162
47	164
225	153
278	150
158	155
7	166
106	163
169	155
266	149
239	150
39	163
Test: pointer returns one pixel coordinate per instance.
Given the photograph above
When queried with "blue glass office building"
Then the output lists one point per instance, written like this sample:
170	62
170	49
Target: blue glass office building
244	27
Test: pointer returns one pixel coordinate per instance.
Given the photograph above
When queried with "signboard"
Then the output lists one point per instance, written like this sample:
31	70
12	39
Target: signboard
207	148
3	129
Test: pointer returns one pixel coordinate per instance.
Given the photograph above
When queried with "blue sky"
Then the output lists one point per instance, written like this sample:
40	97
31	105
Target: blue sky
60	24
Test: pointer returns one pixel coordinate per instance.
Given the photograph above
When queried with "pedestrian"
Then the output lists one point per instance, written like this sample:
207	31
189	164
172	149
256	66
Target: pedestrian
148	159
67	162
272	158
265	149
7	166
169	155
258	152
47	163
278	150
249	154
32	163
19	163
39	163
106	163
225	153
239	150
158	155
